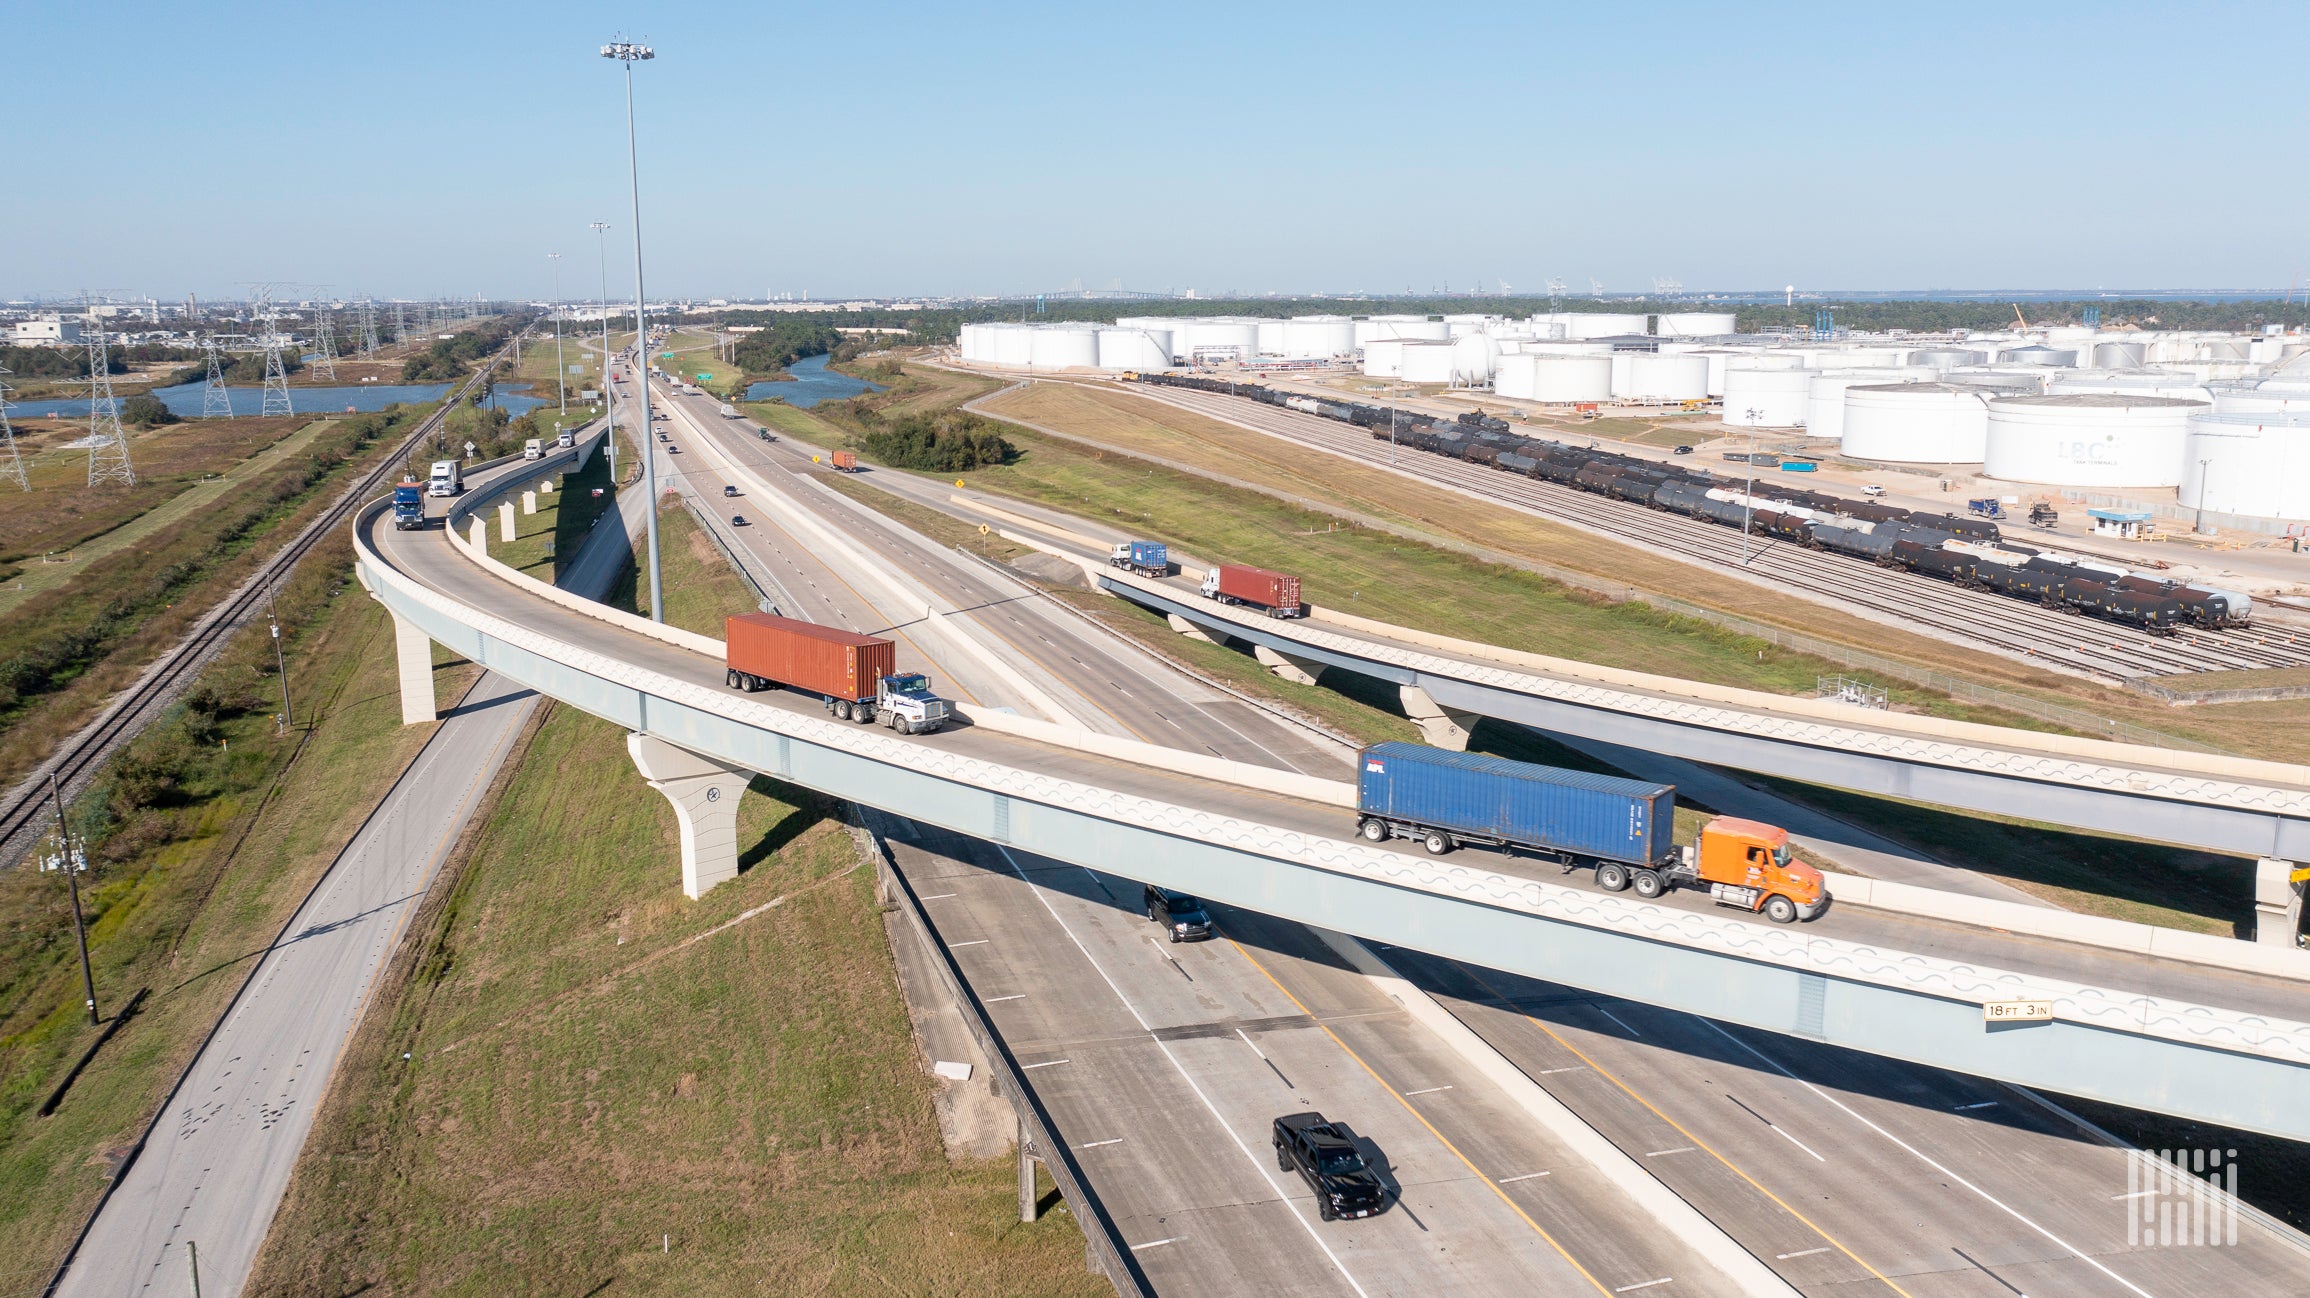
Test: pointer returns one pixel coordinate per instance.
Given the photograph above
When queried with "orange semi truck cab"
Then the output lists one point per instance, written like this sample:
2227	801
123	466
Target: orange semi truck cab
1747	863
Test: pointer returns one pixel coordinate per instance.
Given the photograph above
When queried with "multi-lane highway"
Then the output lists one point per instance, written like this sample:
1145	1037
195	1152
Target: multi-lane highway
1848	1173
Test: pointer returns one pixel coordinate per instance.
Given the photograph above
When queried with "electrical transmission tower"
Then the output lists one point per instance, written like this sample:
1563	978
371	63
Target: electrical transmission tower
12	467
368	327
400	325
268	318
1555	294
324	345
107	440
216	402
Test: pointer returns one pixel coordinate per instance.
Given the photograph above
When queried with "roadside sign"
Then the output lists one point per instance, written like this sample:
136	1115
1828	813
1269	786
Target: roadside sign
2017	1011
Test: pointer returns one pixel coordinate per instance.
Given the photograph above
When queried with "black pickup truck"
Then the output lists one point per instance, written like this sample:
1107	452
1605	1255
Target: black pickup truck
1344	1184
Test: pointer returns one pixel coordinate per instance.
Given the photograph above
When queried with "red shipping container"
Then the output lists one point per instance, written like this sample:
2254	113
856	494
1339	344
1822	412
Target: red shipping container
847	461
1276	590
805	656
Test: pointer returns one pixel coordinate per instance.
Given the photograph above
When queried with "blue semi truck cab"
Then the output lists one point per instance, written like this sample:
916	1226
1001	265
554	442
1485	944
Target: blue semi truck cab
1147	558
1623	829
408	506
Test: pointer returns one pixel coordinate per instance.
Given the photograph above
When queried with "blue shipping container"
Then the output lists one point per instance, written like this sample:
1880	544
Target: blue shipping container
1150	554
1492	799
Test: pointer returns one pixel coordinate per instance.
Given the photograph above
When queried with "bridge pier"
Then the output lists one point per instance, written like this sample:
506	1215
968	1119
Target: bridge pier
1442	727
505	520
1299	671
1028	1200
2278	888
1193	632
480	535
413	652
705	797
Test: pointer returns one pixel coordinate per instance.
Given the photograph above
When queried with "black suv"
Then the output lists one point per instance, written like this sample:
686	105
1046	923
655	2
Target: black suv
1323	1155
1182	916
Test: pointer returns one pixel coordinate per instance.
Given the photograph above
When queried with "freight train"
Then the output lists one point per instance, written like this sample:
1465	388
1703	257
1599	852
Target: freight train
1964	551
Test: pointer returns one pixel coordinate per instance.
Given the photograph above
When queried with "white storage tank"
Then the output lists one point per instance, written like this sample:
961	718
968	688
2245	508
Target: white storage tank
1765	396
1318	338
1063	347
2258	398
1267	337
1946	358
1916	423
2089	439
1473	358
1399	326
1585	324
1566	379
1384	358
2037	355
1213	339
2252	464
1693	324
1427	361
2119	356
1123	348
2139	383
2016	379
966	342
1014	344
1653	377
1825	394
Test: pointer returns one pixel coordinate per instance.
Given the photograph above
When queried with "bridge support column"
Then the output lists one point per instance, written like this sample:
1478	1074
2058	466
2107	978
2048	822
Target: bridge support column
2278	901
505	520
1299	671
705	797
1442	727
480	534
529	502
1194	632
1027	1198
414	652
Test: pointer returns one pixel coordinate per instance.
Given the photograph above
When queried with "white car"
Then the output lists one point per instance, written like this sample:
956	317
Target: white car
1872	491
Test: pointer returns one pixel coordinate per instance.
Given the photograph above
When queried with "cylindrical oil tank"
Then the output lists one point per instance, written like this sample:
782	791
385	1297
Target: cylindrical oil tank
966	342
1399	326
1123	348
2259	399
1267	337
1014	344
1761	397
1598	324
2139	383
1473	357
2227	349
1693	324
1945	358
1427	362
2037	355
2089	439
1650	376
1384	358
1512	377
1825	394
2018	379
2252	464
1318	338
1063	347
2119	356
1217	339
1565	380
1916	423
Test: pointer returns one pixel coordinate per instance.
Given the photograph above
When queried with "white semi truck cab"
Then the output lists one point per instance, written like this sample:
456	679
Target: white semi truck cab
905	704
447	479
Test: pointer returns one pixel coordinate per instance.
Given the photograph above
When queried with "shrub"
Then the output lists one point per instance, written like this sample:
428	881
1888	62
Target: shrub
145	410
951	441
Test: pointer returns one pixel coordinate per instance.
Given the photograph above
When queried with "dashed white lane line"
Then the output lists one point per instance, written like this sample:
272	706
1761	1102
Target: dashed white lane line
1511	1180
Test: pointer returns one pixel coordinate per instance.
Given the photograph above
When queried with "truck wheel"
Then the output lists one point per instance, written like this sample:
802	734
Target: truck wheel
1323	1209
1437	842
842	709
1780	910
1611	877
1373	831
903	726
1282	1160
864	714
1648	883
730	677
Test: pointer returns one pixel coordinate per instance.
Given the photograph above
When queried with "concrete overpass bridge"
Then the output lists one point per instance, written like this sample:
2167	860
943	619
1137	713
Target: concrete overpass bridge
2220	1045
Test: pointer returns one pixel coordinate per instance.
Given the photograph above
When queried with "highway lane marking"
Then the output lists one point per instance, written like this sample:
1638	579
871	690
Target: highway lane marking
1616	1018
976	941
1920	1156
2138	1194
1048	1063
1101	1144
1655	1110
1575	1068
1632	1288
1663	1153
1783	1257
936	896
1158	1243
1511	1180
1968	1108
1257	1164
1417	1116
1430	1091
1777	1128
992	1000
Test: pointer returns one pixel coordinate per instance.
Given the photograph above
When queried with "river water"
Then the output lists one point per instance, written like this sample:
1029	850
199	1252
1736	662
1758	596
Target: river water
811	384
185	400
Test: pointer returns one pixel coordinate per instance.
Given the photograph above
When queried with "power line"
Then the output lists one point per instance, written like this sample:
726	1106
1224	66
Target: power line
216	402
12	468
107	440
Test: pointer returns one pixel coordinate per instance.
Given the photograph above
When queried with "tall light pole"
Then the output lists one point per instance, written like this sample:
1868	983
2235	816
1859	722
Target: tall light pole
609	410
560	370
629	53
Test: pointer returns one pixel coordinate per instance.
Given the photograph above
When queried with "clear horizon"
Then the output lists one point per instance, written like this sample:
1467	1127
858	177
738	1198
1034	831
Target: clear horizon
1293	151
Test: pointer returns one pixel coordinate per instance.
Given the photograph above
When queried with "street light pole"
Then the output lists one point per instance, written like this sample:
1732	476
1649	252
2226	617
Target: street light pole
281	662
72	859
560	370
629	53
2200	525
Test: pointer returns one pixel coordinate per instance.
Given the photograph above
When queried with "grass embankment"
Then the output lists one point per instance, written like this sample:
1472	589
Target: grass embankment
610	1084
62	511
207	834
64	652
1120	419
700	589
696	355
560	524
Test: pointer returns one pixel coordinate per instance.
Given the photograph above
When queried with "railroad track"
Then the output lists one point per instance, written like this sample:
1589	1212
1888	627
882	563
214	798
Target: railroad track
25	809
2089	645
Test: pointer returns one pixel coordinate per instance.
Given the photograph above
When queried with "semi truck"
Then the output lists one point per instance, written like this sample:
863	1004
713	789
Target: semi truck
408	505
1622	829
729	411
1274	593
855	676
533	449
447	479
846	461
1147	558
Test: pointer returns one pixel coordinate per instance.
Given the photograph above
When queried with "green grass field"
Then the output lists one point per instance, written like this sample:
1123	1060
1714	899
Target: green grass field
559	526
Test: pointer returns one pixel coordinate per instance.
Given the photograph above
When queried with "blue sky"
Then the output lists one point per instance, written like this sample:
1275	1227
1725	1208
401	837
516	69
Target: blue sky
420	148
